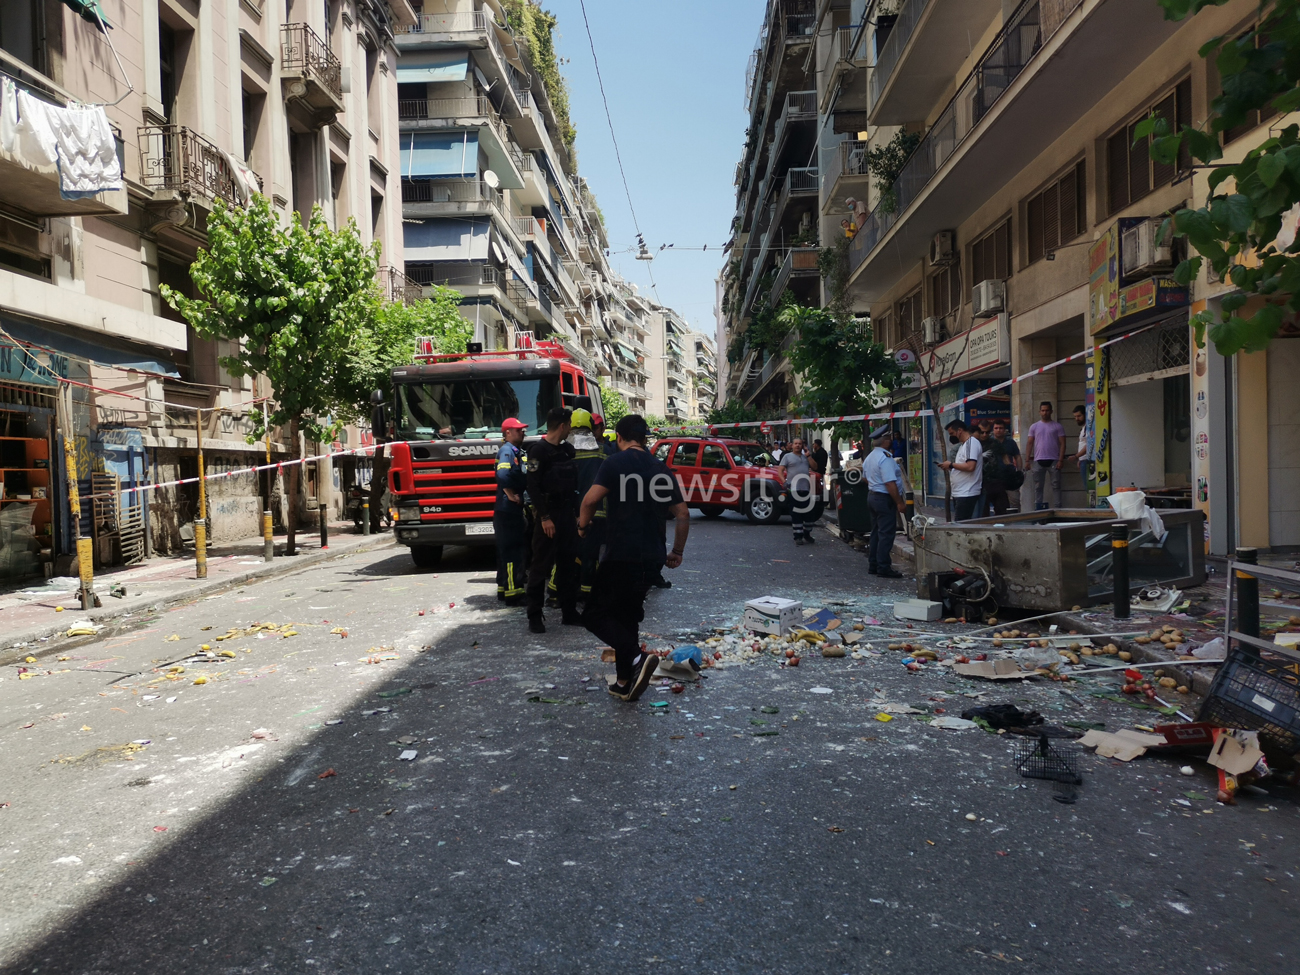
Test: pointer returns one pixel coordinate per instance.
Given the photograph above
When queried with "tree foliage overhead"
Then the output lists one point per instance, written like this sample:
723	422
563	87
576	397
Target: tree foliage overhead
1246	229
294	298
536	27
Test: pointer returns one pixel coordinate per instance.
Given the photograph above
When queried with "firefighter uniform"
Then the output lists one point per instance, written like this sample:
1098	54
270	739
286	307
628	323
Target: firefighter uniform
508	524
553	491
589	454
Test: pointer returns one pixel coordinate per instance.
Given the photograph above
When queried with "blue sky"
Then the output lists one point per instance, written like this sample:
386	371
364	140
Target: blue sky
674	73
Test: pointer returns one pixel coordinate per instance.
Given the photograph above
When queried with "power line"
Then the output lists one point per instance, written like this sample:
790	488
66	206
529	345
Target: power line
609	118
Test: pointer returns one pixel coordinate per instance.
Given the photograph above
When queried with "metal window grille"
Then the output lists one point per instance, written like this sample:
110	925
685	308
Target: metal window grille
1162	349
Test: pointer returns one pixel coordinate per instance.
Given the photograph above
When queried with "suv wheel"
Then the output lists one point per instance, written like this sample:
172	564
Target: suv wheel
762	509
712	510
426	556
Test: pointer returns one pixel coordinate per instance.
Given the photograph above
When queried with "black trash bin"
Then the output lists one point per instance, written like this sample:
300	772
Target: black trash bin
851	503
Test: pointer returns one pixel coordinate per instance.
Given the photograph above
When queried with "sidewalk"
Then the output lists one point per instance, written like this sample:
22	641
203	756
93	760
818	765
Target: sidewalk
30	616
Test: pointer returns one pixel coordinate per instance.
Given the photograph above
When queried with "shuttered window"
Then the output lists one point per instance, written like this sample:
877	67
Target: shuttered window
945	290
909	315
1056	215
1131	173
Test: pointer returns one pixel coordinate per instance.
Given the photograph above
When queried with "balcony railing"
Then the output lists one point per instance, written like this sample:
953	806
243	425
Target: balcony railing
449	191
302	49
398	287
799	260
839	49
174	157
908	17
475	22
1011	51
471	106
800	26
452	273
848	159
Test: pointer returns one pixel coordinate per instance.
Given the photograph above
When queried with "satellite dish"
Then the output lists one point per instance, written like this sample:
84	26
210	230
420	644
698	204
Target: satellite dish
492	179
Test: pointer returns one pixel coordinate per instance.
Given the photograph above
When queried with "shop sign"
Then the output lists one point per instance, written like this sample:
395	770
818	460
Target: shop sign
1109	301
20	365
983	346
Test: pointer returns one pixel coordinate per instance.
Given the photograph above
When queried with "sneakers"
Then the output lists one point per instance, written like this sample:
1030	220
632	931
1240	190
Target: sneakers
536	624
621	691
645	672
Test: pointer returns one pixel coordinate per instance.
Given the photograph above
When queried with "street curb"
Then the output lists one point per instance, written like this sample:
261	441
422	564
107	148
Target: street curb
106	614
1198	680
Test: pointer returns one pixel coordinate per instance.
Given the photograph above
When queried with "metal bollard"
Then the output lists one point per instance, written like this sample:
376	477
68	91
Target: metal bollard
365	517
1248	600
1119	569
324	528
268	537
200	549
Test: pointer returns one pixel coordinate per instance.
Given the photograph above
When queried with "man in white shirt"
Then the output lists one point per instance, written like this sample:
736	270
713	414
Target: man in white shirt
967	471
886	500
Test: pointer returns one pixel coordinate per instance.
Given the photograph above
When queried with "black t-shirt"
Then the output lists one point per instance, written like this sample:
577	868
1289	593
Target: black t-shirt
552	478
641	490
820	457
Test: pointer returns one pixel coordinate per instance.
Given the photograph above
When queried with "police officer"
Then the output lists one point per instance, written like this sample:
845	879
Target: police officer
589	454
553	491
508	515
886	500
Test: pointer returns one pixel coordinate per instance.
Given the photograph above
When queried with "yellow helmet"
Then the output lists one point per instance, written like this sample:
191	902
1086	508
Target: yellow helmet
580	418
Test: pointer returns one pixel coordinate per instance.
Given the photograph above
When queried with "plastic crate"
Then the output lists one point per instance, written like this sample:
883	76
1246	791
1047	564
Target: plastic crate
1257	694
1056	759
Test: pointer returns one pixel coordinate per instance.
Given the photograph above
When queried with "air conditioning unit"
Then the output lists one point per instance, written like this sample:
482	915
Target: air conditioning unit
989	297
1144	251
943	249
931	330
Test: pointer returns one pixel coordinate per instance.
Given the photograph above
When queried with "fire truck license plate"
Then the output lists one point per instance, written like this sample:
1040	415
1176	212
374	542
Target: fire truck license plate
481	529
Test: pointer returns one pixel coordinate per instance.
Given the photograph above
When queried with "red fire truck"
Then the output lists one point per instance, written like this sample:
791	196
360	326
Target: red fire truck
445	422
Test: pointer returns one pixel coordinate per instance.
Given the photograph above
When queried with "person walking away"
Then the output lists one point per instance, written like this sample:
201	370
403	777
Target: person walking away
798	481
886	500
588	454
553	489
1081	450
508	525
1046	450
967	470
1001	468
639	492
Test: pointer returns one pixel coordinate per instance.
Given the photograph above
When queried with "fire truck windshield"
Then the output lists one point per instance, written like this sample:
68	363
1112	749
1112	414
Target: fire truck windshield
473	408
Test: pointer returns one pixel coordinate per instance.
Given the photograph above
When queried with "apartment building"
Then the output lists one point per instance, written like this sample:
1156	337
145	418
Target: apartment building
201	102
776	232
702	372
1023	229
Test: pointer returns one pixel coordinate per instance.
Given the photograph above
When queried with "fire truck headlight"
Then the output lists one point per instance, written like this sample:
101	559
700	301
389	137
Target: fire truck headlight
407	514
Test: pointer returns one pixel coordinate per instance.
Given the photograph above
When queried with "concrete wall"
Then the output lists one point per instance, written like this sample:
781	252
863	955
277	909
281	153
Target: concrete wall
1137	422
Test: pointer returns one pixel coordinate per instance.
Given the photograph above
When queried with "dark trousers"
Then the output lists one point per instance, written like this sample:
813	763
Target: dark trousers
884	526
512	551
963	509
997	497
559	553
589	556
801	511
616	608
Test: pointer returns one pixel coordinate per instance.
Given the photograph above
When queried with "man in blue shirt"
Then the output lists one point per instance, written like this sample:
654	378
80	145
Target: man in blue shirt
508	515
887	500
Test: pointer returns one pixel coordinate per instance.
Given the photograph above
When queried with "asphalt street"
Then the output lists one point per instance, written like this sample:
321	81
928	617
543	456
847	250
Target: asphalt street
255	812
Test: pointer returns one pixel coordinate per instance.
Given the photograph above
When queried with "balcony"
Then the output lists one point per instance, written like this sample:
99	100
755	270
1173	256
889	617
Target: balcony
927	46
398	288
453	26
310	73
31	187
841	66
1037	78
449	197
846	175
799	184
800	107
800	262
177	160
470	112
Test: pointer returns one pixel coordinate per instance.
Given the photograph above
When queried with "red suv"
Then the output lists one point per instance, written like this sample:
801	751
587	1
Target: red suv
720	475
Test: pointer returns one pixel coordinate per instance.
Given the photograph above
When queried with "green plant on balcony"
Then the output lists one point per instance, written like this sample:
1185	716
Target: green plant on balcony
806	237
885	164
535	27
833	266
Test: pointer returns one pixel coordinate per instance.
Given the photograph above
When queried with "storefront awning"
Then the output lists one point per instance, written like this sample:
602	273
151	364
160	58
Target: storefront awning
432	66
88	9
627	353
81	349
433	154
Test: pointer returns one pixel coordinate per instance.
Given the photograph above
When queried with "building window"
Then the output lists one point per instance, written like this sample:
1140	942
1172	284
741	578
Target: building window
1131	172
945	290
990	255
909	316
167	70
882	329
1255	117
1056	215
21	23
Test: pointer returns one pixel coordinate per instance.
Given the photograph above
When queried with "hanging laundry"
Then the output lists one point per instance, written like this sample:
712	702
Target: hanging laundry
77	140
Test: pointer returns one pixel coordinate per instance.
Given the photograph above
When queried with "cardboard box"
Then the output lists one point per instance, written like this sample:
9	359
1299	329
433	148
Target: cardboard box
918	609
1003	669
771	614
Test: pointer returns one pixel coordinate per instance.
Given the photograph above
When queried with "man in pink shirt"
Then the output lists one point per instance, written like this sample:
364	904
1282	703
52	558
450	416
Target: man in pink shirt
1046	450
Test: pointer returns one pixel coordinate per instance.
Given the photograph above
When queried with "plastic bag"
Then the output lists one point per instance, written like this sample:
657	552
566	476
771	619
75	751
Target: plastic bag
1214	650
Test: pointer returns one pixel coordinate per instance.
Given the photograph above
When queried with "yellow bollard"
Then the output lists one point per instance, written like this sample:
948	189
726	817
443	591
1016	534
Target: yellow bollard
200	524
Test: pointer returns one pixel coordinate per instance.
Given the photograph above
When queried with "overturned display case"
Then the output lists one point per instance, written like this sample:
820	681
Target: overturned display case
1056	559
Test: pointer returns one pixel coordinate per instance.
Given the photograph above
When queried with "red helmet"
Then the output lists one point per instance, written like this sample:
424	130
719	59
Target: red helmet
512	424
597	418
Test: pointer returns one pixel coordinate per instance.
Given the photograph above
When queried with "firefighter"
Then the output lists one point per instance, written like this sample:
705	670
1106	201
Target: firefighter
608	442
589	452
508	515
553	491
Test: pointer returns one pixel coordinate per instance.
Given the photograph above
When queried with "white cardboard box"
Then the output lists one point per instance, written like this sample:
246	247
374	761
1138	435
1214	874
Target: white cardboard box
918	609
771	614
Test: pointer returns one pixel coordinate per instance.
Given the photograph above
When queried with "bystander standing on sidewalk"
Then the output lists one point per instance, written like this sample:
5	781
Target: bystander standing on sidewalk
886	499
799	482
967	470
1001	468
1045	450
638	491
1081	450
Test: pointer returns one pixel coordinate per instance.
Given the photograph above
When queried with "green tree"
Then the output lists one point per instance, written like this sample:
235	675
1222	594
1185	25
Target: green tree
615	406
1249	201
841	366
293	298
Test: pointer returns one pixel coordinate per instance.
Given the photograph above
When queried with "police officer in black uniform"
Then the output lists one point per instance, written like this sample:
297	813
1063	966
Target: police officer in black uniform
553	491
508	515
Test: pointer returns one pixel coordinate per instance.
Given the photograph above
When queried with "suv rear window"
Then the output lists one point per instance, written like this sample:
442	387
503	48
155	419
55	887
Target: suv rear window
661	452
688	455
